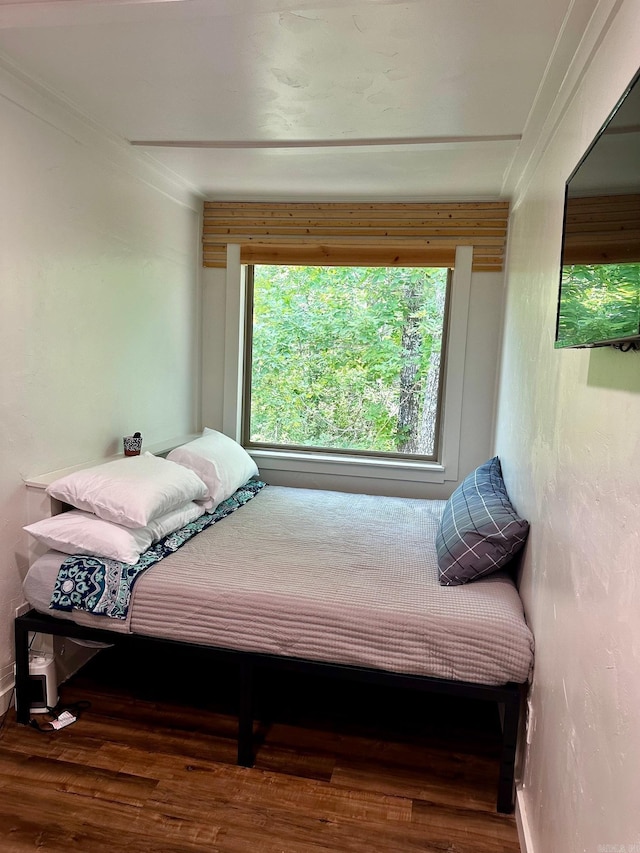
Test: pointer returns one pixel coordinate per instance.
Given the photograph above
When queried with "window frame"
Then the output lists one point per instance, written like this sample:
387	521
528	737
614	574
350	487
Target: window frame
306	448
305	464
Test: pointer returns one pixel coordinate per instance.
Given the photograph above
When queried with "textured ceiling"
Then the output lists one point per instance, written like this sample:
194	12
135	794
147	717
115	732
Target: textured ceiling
268	99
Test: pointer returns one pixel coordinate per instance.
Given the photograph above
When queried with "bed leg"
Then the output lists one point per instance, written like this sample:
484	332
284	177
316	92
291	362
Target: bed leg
245	716
22	672
506	780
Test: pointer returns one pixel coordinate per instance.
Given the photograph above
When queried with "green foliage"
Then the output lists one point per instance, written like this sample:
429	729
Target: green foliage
599	302
328	352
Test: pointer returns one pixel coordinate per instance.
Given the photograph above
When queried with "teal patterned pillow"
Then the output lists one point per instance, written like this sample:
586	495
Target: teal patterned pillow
480	530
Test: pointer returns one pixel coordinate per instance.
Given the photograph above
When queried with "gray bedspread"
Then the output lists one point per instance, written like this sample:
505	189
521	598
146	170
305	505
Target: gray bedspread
328	576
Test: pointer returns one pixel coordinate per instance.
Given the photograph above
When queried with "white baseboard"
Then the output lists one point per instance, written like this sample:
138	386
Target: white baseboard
522	822
6	695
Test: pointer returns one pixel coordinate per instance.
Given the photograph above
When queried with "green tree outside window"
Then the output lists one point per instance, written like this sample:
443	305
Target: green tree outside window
347	358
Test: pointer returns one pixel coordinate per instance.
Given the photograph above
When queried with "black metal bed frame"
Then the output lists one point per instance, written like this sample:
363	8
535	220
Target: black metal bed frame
509	696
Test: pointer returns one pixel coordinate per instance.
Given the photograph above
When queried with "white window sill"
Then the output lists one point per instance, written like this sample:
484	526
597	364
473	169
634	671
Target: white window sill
343	465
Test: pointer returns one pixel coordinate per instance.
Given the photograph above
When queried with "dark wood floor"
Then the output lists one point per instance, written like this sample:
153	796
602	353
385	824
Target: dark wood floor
150	768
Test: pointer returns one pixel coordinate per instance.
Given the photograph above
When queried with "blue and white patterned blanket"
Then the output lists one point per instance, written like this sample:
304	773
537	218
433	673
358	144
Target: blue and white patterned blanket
102	586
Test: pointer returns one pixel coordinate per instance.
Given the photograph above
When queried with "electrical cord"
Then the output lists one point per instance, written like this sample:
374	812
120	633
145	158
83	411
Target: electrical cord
72	711
12	696
61	714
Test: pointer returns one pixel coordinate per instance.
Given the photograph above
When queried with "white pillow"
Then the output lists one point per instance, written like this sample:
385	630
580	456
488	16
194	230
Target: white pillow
77	532
219	461
174	520
131	491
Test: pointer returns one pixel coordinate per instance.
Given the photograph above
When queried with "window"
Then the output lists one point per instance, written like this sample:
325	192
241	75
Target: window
345	359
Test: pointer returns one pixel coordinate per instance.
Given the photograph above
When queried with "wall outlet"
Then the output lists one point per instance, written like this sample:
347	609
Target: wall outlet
23	608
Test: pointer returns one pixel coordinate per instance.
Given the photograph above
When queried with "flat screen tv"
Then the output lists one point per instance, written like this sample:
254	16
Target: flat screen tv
599	298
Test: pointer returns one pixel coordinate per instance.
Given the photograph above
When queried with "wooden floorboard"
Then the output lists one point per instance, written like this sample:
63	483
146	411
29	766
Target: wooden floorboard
150	768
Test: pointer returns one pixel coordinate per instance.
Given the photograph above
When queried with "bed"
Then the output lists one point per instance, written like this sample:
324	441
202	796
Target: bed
317	581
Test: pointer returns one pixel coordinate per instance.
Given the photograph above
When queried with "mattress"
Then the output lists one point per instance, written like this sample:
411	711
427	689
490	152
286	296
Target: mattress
326	576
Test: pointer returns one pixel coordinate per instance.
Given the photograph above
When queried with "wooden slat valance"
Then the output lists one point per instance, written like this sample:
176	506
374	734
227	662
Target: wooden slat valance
602	229
327	233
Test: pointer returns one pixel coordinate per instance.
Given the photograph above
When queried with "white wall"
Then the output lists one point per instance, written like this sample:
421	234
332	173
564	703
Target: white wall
99	316
478	400
568	434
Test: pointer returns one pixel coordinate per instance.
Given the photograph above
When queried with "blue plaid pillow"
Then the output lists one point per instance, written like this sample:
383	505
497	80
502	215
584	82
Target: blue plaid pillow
480	531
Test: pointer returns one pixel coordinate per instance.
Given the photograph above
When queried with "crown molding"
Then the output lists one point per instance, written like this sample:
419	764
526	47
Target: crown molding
50	107
582	32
